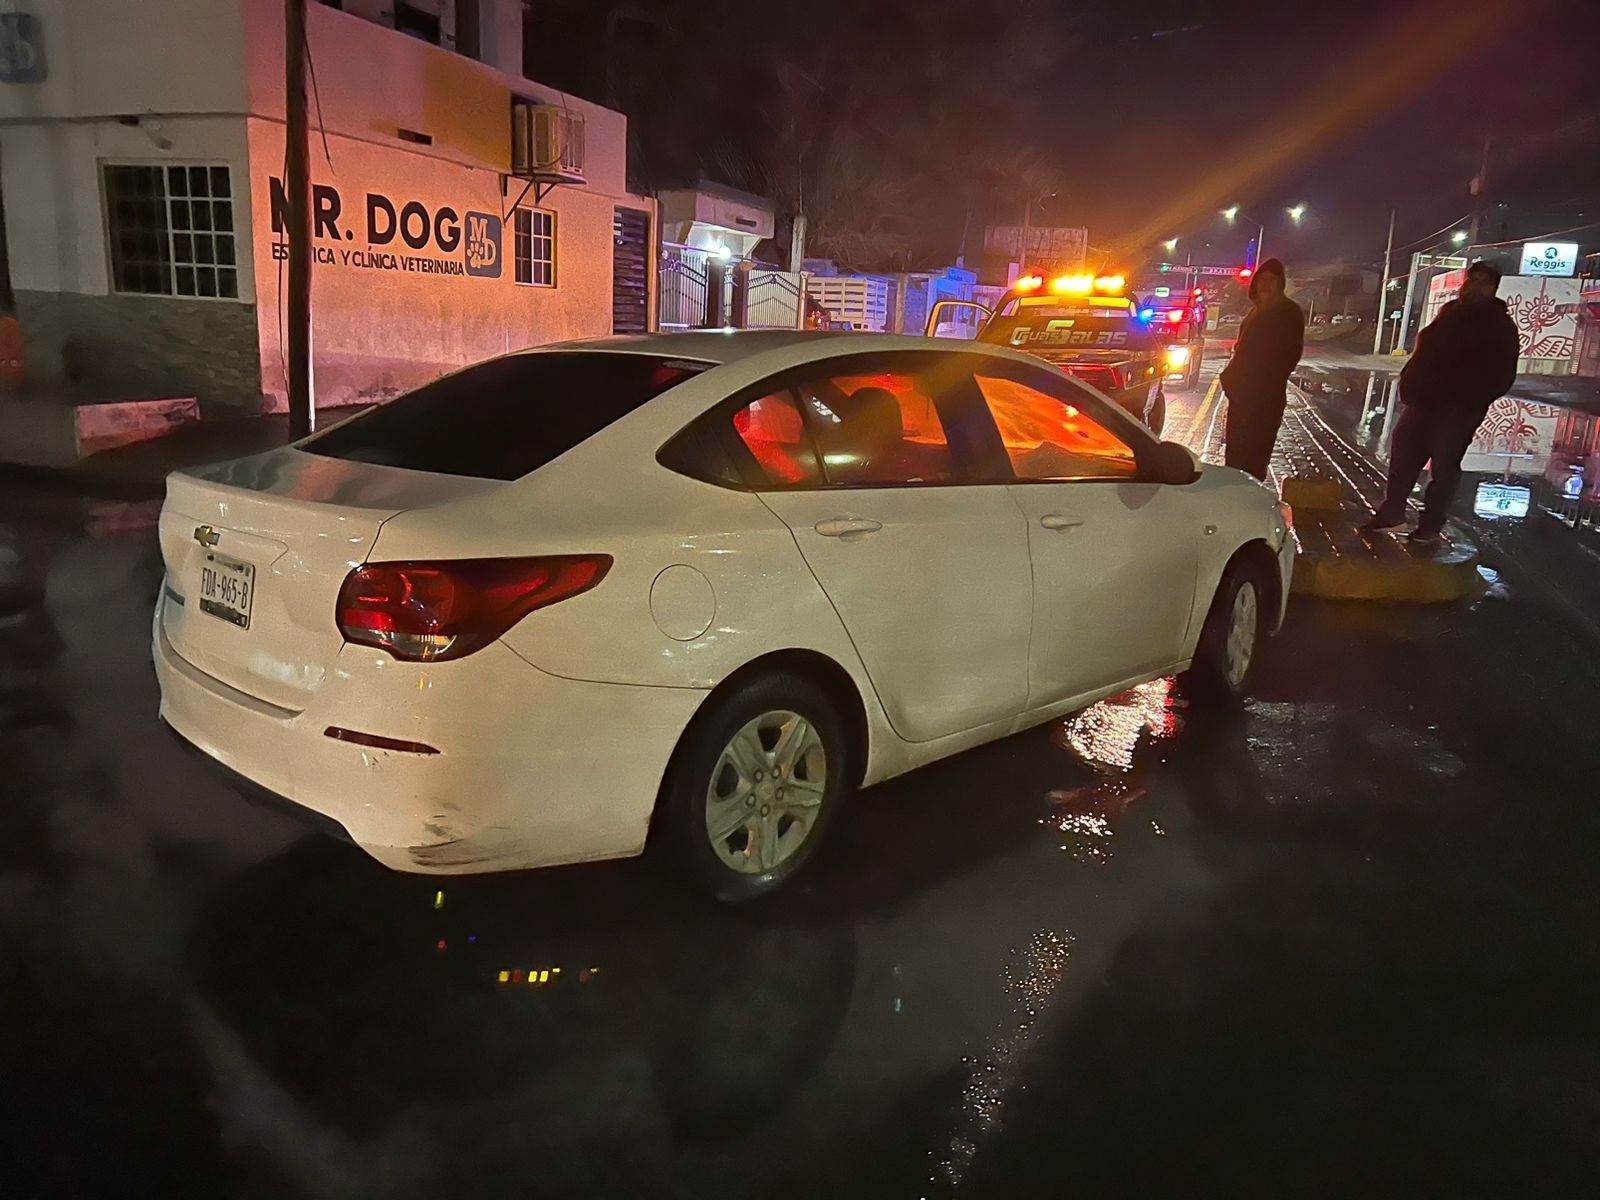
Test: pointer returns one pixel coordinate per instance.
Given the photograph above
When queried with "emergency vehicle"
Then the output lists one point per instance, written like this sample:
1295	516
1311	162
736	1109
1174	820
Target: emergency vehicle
1174	306
1088	325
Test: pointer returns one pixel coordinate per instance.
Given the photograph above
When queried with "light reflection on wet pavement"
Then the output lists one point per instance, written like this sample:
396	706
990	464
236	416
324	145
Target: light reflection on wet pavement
1150	949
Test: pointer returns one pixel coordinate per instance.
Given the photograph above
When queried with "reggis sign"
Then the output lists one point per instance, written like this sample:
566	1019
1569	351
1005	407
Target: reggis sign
440	241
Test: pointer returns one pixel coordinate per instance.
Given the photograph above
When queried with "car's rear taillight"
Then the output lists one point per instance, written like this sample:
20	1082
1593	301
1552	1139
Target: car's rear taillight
433	611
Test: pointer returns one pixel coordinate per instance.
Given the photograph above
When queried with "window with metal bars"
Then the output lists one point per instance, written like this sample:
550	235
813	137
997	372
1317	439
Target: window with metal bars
171	230
534	246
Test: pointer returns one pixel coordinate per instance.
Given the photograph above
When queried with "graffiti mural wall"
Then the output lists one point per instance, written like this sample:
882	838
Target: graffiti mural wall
1546	313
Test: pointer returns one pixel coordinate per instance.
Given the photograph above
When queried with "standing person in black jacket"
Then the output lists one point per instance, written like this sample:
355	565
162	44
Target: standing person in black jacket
1271	339
1464	361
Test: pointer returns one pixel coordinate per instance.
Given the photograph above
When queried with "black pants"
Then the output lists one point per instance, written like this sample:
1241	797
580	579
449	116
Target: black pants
1252	431
1422	435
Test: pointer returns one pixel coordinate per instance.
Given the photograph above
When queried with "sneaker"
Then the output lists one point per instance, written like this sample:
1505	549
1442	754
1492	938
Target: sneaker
1425	535
1377	523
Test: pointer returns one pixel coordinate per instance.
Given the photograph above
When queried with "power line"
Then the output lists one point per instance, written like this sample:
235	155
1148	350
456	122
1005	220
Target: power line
1535	237
1419	241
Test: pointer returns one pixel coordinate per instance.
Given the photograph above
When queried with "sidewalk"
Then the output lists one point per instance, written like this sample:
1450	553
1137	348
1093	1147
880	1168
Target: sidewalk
139	471
1334	489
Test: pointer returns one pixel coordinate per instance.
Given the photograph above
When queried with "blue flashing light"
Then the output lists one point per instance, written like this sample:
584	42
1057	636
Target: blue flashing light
1146	314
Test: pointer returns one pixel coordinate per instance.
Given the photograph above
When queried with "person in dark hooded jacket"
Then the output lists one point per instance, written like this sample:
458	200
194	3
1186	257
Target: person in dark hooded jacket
1465	360
1271	340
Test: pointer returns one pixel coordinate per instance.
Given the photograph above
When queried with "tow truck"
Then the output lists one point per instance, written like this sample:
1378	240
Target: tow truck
1084	323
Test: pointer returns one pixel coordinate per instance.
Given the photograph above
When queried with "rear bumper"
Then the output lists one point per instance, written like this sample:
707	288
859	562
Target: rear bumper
532	770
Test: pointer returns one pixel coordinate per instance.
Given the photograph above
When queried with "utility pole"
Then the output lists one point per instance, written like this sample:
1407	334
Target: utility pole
1022	245
10	328
1261	241
1479	182
1383	288
297	191
1411	291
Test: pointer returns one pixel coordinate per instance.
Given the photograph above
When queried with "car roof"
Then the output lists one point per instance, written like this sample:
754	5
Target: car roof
732	345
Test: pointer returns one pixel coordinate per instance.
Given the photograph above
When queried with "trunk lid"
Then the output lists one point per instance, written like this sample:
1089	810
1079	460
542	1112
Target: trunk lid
264	543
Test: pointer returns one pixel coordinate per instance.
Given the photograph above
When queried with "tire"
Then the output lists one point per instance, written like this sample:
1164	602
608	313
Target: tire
1158	414
1230	641
761	852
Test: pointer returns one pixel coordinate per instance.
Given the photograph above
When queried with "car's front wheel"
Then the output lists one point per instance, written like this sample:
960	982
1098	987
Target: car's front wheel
1225	659
1158	414
755	784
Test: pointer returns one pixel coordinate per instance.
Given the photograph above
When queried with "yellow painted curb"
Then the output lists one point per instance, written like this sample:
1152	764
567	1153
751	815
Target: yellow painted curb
1301	493
1414	575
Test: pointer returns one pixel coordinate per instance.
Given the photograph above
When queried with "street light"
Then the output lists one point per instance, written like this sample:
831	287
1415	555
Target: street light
1170	245
1459	236
1231	213
1296	213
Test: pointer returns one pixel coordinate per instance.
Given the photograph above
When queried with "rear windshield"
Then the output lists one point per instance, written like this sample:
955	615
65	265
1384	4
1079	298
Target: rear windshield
506	417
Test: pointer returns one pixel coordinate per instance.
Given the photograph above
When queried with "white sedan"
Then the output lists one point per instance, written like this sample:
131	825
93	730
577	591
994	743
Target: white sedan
690	590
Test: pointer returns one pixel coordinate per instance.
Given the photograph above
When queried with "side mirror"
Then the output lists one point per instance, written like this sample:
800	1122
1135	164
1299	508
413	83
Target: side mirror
956	319
1175	463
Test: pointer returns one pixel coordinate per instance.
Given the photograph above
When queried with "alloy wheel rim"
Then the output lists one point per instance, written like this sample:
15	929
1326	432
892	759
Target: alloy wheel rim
1241	644
766	792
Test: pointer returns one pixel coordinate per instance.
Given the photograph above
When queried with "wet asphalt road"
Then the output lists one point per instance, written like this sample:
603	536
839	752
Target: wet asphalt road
1343	942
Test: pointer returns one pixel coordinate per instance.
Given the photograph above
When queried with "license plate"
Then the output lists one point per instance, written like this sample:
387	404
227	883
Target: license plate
227	589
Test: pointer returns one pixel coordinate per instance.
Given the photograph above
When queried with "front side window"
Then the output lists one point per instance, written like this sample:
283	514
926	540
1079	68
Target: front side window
534	246
171	230
1049	436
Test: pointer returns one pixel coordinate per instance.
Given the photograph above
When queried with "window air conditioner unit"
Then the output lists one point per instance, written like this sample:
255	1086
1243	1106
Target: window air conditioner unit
546	143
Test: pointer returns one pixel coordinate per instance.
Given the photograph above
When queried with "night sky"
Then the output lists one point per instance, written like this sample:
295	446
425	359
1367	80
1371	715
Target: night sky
905	121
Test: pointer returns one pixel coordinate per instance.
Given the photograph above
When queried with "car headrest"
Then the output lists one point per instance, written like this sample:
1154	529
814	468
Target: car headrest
872	418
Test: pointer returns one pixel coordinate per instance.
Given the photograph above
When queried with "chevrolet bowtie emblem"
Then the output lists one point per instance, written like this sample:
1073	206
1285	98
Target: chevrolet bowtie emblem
206	535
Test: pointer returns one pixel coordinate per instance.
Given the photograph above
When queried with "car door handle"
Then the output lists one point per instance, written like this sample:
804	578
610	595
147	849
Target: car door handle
1058	522
843	526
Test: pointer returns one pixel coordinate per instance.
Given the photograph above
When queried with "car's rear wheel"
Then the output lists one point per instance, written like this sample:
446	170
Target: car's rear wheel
755	784
1225	659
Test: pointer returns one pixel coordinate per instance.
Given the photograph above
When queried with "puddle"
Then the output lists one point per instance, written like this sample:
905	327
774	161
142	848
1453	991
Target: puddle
1083	818
1031	978
1107	735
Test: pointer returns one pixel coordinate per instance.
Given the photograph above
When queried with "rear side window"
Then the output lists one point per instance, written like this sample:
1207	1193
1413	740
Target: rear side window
878	429
772	430
506	417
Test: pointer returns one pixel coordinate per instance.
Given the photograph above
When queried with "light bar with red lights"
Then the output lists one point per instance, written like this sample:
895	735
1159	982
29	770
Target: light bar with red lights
1175	316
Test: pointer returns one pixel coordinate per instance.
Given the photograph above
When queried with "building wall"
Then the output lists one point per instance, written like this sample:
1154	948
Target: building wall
99	342
201	81
112	57
145	347
382	322
381	329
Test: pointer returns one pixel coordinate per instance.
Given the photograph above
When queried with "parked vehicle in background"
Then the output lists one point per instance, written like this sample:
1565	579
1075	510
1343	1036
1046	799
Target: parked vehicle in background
1174	306
690	591
1087	325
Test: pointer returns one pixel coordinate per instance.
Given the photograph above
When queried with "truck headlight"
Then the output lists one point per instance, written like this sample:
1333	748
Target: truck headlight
1177	356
